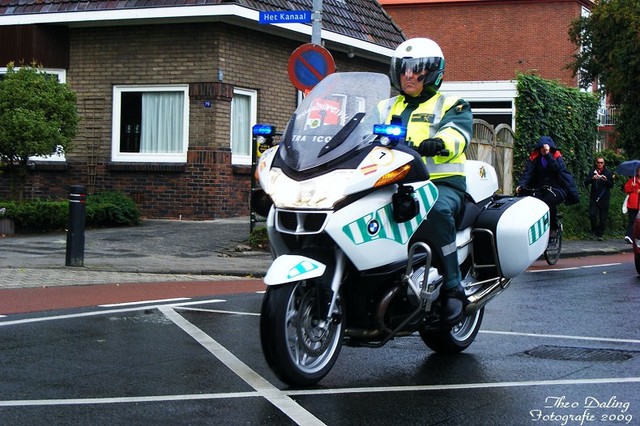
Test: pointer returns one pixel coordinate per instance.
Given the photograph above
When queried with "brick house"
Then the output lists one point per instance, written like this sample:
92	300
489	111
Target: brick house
207	69
487	42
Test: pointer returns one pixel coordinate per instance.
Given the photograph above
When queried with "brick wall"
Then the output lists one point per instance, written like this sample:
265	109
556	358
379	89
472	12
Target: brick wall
496	40
208	186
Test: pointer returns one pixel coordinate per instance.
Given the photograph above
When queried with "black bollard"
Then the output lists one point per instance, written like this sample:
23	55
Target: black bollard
75	234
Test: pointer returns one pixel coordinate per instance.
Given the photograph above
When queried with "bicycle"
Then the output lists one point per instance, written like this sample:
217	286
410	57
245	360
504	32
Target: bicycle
554	246
552	252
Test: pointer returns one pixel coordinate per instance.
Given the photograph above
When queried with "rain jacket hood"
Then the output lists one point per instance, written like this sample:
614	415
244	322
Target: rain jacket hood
552	148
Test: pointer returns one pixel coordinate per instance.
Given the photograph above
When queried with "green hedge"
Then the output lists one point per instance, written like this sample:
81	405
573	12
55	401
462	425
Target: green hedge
569	116
102	210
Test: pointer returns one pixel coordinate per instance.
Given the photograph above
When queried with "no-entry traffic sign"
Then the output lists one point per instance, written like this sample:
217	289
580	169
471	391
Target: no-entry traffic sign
309	64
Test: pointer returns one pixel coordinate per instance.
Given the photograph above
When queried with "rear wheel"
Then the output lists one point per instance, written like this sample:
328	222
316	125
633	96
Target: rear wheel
636	258
458	338
299	346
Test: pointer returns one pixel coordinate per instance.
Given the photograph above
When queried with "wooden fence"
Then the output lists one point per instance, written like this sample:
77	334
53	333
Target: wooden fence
494	145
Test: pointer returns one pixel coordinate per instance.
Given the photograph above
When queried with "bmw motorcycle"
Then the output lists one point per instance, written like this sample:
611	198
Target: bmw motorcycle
343	196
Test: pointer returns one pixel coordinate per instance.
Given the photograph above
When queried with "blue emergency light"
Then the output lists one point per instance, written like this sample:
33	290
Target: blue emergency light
390	130
264	130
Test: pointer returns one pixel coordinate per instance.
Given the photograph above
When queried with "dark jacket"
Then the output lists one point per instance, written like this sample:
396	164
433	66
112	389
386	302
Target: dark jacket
600	192
549	170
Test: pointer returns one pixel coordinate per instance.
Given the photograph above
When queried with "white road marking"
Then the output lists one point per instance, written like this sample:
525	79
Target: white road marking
309	392
144	302
218	311
274	395
95	313
562	336
464	386
571	268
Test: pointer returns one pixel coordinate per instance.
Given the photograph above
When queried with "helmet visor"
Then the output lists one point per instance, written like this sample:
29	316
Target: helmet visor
417	65
426	69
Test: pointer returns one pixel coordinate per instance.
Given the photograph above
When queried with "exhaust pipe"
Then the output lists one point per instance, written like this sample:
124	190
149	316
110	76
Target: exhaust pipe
484	295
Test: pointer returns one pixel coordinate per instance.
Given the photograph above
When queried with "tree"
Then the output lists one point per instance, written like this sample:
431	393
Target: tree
37	116
608	51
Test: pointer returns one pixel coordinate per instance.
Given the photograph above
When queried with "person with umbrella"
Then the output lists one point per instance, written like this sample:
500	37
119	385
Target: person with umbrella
632	188
601	182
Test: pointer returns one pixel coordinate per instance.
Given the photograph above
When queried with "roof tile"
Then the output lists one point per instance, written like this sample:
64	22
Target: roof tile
361	19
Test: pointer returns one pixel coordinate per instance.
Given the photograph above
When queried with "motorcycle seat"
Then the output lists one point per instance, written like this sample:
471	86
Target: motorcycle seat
468	214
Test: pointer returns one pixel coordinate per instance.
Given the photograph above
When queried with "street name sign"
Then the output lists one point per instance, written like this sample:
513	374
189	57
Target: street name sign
285	17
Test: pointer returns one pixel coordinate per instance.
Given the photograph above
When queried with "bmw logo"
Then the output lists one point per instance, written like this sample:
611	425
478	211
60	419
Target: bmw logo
373	227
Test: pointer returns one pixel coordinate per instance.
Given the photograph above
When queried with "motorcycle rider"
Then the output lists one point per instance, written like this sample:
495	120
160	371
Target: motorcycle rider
440	128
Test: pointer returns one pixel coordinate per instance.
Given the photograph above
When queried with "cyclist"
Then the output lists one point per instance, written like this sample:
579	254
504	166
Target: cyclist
547	175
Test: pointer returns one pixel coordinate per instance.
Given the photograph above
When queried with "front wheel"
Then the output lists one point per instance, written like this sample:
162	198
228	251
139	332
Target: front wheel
457	339
552	253
636	258
299	346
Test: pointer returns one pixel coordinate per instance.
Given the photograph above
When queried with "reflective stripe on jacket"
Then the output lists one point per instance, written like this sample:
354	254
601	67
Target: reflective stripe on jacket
446	117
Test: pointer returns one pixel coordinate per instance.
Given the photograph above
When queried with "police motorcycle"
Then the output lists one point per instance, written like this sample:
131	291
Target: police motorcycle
343	195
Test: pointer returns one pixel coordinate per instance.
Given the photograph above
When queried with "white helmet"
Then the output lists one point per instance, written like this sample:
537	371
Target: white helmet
418	54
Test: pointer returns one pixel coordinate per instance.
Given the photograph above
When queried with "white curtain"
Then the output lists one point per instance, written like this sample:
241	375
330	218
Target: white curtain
241	128
162	122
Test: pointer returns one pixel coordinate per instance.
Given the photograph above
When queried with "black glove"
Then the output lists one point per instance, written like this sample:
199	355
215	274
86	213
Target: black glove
430	147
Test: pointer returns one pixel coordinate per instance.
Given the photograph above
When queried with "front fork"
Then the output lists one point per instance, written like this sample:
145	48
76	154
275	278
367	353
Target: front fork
336	281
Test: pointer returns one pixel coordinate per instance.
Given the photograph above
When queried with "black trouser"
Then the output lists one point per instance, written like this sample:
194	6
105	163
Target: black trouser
632	218
552	197
598	213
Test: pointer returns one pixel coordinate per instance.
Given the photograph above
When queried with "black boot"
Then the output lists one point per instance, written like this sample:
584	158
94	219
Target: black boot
453	302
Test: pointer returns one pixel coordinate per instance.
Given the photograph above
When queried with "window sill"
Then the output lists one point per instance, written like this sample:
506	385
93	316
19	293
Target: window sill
241	169
42	165
146	167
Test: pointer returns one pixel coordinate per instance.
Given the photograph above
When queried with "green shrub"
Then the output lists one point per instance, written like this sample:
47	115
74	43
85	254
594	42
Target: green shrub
111	209
258	238
37	216
102	210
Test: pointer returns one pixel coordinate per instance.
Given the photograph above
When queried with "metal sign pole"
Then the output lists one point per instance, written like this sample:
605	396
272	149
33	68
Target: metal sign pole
316	22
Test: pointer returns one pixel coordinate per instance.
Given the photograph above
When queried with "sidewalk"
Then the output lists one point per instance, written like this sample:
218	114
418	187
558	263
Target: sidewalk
165	250
154	251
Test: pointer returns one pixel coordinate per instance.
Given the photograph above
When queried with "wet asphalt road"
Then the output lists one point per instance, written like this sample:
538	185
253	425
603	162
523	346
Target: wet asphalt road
557	347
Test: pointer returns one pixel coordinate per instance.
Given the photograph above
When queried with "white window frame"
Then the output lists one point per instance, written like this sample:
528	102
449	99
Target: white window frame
60	73
148	157
487	91
253	117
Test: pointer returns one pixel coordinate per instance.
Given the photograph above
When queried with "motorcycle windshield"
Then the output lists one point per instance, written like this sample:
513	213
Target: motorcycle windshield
335	119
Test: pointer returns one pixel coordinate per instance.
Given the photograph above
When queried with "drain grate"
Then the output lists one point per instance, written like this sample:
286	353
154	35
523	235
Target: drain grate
565	353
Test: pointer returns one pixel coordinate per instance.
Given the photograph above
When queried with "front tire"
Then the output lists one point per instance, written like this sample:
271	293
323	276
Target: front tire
636	258
552	253
456	339
299	347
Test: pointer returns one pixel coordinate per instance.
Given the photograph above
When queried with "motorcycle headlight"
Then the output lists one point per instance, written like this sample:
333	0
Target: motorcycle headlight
321	192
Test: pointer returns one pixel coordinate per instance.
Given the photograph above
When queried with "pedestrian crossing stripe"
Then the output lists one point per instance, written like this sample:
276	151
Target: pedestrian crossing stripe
539	228
380	224
301	268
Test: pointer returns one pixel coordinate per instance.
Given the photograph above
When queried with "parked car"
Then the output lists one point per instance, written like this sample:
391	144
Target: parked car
636	243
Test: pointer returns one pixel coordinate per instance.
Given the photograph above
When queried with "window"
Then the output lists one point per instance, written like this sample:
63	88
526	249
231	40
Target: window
492	101
150	123
243	117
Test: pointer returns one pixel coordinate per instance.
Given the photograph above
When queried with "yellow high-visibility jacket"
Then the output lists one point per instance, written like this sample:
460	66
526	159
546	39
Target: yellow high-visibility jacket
445	117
